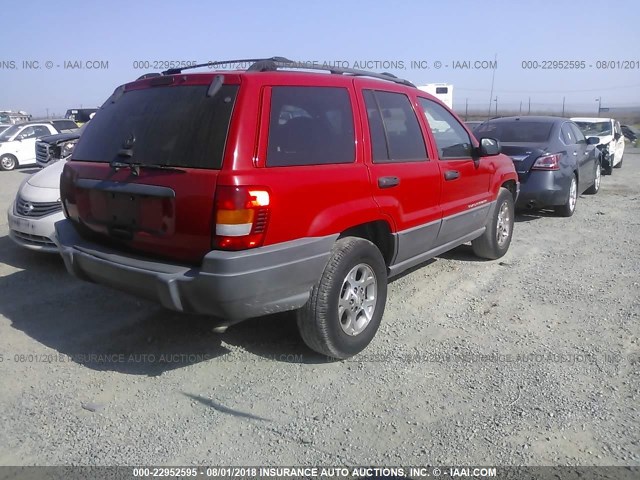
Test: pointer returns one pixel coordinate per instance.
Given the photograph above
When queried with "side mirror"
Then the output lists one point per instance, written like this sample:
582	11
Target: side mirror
489	147
617	136
593	141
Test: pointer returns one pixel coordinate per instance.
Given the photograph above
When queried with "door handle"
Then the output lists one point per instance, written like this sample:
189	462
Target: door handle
388	182
451	175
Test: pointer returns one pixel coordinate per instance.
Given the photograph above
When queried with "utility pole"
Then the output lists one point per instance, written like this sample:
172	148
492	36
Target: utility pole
496	100
466	108
47	113
563	106
529	106
493	78
520	107
599	100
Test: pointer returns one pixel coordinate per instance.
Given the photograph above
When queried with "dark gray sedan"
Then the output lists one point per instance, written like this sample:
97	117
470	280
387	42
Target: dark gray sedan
554	161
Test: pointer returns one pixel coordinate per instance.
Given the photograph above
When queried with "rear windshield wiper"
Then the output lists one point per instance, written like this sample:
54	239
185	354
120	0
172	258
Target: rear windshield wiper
135	167
160	167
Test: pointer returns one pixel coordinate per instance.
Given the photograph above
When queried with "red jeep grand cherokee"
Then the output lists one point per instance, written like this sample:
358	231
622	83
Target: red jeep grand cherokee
243	193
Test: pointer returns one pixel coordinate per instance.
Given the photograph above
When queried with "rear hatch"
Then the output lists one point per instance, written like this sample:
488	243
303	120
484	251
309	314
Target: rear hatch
143	174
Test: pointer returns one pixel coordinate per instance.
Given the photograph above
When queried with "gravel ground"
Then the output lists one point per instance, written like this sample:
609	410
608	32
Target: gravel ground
530	360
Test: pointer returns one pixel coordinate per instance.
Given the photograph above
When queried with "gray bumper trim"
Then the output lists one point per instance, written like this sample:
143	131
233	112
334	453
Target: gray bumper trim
231	285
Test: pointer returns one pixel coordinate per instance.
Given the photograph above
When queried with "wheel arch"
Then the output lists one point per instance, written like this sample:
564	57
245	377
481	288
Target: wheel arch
377	232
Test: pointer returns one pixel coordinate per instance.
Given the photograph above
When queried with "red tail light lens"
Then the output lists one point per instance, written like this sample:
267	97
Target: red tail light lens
241	216
547	162
67	191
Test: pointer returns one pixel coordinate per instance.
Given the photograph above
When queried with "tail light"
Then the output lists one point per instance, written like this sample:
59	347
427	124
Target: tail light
547	162
67	191
241	216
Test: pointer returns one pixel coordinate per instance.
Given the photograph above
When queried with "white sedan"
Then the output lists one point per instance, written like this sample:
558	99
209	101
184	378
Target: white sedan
36	209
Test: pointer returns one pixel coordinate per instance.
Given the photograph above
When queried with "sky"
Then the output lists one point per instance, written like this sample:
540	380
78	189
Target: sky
45	43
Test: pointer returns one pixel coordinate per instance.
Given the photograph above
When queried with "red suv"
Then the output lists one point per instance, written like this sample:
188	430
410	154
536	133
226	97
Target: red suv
243	193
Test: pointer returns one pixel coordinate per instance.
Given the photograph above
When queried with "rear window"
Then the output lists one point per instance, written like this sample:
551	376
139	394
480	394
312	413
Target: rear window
81	115
64	125
516	131
310	126
173	126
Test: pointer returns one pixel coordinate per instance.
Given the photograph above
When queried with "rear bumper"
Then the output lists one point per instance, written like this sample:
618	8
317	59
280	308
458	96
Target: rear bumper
543	189
231	285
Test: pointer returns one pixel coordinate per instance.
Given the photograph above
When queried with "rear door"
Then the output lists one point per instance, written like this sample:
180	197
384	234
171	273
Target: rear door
465	180
406	182
586	162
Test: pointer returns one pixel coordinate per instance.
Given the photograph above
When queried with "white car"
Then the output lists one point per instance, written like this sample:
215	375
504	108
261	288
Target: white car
611	139
18	142
36	209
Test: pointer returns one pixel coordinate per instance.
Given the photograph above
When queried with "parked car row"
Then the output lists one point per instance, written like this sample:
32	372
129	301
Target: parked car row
17	143
245	193
610	136
554	160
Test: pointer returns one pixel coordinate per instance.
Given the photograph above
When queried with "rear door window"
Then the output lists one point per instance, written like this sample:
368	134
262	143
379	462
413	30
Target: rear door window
568	135
173	126
577	134
394	128
41	131
310	126
65	124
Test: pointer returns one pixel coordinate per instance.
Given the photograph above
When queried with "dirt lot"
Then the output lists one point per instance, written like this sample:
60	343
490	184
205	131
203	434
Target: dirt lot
533	359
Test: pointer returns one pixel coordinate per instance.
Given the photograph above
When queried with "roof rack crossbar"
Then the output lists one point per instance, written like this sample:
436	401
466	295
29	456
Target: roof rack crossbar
273	63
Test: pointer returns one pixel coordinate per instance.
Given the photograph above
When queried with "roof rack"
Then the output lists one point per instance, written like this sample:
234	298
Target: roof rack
274	63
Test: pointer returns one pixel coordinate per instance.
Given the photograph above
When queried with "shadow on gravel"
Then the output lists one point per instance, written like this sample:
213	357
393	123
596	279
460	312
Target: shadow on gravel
107	330
413	269
529	215
273	338
18	257
29	170
222	409
463	253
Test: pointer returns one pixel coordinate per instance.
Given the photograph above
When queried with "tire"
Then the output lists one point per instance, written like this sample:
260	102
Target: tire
619	165
569	206
8	162
606	161
324	324
595	188
496	239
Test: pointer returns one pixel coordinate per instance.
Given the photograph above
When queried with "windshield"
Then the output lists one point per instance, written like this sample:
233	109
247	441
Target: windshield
9	132
516	131
597	129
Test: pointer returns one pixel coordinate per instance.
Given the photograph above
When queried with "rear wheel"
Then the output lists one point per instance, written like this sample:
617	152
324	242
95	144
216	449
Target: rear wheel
569	207
619	165
496	239
606	160
593	189
345	308
8	162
